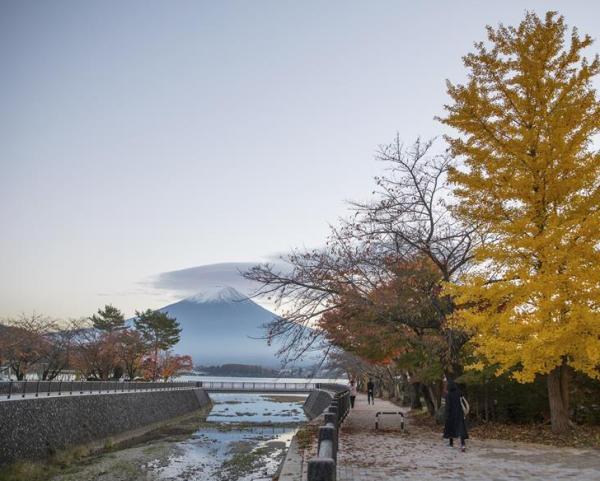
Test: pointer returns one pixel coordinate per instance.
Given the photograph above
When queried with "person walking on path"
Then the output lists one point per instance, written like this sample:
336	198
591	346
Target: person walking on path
352	389
457	409
370	390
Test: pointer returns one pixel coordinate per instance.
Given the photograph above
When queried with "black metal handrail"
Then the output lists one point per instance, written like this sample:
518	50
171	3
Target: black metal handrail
13	389
323	466
22	389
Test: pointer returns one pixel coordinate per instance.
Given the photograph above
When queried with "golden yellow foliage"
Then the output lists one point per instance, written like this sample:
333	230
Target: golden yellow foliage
531	181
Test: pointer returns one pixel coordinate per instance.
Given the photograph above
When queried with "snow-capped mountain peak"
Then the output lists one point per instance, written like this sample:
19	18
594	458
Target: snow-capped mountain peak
218	294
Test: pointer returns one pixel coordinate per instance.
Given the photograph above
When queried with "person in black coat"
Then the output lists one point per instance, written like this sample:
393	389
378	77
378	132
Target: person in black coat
371	392
455	426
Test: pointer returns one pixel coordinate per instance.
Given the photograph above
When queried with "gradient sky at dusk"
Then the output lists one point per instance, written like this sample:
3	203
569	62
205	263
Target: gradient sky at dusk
144	137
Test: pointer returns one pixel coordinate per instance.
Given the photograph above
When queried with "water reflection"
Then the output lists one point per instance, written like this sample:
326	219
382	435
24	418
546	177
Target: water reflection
256	408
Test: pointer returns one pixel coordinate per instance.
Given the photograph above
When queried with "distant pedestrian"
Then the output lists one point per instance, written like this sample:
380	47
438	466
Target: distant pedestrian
352	389
370	391
457	409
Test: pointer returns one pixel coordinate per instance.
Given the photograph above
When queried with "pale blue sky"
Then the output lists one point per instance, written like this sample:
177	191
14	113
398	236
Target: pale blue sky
139	137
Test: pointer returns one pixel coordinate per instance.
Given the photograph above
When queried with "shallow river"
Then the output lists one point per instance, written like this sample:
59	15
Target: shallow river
244	439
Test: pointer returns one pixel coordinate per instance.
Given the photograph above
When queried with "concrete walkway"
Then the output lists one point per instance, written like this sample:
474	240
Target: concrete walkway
391	455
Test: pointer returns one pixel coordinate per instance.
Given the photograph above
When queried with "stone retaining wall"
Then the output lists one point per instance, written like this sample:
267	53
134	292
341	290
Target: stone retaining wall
35	428
291	467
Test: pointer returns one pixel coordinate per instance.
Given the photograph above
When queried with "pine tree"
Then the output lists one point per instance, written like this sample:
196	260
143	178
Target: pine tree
527	115
160	331
108	319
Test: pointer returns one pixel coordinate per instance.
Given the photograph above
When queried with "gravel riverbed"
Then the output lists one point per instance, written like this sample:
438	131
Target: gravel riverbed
244	438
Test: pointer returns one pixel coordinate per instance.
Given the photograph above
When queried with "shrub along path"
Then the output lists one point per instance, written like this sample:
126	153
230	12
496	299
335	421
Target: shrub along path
418	454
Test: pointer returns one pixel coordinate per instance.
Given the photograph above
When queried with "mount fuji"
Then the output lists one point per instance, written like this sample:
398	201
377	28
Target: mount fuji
223	327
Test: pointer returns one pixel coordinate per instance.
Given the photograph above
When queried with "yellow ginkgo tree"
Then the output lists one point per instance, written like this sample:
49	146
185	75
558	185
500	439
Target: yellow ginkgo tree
530	179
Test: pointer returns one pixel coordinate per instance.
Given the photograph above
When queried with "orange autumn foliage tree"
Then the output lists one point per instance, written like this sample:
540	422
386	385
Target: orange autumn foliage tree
96	354
174	365
132	350
166	366
359	331
24	343
399	321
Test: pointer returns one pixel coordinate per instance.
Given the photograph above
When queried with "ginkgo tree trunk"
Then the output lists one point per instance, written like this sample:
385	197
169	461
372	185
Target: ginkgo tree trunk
526	119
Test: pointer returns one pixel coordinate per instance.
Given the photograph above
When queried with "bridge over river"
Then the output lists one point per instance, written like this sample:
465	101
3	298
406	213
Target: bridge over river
259	387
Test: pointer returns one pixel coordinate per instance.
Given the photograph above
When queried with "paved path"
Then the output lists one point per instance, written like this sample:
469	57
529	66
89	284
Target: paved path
418	454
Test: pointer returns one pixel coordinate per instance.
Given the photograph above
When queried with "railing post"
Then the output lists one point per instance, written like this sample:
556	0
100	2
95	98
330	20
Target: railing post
334	410
329	433
10	383
330	418
321	469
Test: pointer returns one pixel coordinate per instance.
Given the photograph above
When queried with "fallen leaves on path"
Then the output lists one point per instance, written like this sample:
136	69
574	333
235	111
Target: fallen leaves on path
579	437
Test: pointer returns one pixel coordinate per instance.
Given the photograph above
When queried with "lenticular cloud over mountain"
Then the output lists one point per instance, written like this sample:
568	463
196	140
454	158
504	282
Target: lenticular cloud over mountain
205	282
208	277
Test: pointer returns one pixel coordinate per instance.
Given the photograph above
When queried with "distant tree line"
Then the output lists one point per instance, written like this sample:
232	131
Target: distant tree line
101	347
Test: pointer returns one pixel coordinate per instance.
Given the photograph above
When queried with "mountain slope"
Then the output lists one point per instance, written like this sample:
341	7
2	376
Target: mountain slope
223	326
